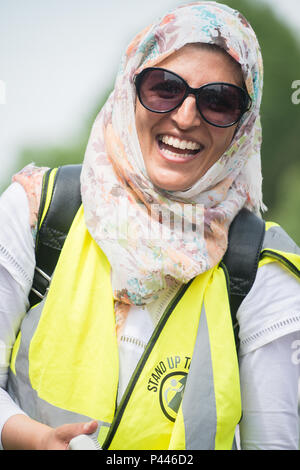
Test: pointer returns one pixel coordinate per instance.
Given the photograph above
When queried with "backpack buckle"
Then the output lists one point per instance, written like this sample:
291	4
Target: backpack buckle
42	280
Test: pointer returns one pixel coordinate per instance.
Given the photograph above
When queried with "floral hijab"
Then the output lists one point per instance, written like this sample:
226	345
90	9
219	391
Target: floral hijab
121	203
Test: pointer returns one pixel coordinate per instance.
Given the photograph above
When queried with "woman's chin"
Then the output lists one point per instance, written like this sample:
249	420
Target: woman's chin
171	184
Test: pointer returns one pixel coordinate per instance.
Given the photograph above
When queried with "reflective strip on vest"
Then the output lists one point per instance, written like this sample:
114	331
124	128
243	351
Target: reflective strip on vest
28	399
277	239
279	246
65	365
203	438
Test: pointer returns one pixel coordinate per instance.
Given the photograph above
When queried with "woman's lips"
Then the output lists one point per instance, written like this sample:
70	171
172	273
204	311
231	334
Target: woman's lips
178	150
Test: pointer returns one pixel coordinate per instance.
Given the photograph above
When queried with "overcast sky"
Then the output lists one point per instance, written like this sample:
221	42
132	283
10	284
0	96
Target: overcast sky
57	55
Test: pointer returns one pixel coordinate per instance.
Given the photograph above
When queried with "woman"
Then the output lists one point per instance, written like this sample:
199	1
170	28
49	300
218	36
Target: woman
142	322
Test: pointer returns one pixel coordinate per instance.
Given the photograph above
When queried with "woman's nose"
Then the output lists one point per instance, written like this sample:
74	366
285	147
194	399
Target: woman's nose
187	114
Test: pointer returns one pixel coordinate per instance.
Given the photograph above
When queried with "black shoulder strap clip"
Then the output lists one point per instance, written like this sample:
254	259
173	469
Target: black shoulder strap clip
65	202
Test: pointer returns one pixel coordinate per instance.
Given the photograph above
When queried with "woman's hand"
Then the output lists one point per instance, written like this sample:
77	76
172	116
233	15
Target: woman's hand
22	432
59	438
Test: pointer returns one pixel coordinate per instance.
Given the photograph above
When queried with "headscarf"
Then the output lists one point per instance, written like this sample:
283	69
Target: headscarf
118	196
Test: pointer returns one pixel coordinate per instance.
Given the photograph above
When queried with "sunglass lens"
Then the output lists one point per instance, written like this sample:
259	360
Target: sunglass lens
221	104
161	91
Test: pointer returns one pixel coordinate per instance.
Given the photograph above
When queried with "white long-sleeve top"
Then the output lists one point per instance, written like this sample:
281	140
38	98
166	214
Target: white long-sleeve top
269	321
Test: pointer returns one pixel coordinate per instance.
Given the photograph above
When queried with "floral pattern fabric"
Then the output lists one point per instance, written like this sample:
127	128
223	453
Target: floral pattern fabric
118	195
31	178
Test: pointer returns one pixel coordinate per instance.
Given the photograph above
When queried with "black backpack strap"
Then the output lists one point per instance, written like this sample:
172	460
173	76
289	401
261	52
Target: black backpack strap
245	239
61	203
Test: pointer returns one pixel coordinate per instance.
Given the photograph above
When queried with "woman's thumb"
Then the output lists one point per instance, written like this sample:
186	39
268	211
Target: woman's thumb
67	431
89	427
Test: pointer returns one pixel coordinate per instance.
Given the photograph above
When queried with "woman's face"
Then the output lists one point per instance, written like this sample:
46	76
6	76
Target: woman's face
165	166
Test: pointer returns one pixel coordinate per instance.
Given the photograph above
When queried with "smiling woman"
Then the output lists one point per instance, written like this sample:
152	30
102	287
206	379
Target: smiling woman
133	341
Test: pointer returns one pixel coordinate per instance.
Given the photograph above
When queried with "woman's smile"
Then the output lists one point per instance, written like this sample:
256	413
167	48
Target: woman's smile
178	150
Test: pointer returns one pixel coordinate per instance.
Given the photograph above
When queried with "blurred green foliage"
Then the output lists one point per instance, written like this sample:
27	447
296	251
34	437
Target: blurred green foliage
280	119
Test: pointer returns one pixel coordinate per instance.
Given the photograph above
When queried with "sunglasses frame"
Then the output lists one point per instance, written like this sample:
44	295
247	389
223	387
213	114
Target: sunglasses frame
191	91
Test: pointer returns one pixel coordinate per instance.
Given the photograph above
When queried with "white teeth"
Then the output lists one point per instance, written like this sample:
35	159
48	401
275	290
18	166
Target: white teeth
181	144
172	154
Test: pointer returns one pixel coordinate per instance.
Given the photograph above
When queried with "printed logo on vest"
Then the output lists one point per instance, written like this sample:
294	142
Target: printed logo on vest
171	393
169	379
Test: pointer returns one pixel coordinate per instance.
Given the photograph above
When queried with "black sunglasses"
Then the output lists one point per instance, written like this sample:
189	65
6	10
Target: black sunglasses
220	104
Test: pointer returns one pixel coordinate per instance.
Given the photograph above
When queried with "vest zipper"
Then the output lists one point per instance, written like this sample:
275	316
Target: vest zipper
223	266
136	374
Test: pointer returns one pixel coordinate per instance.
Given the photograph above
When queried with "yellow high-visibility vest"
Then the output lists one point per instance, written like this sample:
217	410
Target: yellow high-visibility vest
184	392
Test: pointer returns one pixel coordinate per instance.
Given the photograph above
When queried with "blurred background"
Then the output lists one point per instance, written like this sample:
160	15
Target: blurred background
58	60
